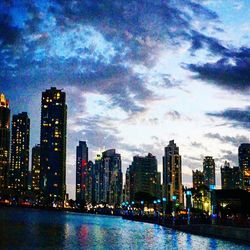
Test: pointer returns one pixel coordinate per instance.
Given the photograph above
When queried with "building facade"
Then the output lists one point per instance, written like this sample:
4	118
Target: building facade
143	178
209	172
172	174
81	171
112	181
36	169
244	164
198	179
18	173
230	177
4	141
53	145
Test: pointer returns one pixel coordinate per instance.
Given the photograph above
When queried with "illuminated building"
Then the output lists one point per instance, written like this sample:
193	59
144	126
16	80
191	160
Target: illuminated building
18	173
198	179
81	171
244	164
97	174
230	177
53	145
209	171
112	181
172	174
36	169
4	141
142	177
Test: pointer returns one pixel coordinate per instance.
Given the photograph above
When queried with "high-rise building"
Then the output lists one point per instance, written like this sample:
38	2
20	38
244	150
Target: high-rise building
172	174
112	182
106	178
36	169
231	178
4	141
81	171
142	177
89	182
97	181
19	167
209	172
244	164
198	179
53	145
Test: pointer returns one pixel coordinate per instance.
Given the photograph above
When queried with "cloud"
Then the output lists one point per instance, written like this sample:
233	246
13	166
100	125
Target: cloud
232	71
94	45
234	140
230	157
173	115
235	116
198	145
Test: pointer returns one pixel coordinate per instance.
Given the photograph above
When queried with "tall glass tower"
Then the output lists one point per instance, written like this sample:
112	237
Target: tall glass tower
4	140
244	164
172	174
53	145
81	171
18	174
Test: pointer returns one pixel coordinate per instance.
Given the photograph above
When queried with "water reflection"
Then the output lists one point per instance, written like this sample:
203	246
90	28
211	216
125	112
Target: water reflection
34	229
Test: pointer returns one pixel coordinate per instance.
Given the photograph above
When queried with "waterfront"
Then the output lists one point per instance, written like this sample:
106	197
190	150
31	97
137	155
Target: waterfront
22	228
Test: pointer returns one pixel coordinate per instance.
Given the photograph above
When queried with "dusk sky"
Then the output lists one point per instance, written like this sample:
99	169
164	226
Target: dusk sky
137	74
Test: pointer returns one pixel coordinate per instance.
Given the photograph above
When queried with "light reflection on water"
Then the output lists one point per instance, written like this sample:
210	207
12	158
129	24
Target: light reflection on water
36	229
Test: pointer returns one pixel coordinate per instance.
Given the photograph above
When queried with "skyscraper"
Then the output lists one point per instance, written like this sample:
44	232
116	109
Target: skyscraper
244	164
198	179
142	177
18	174
4	141
81	171
36	169
53	145
112	182
209	171
172	174
230	177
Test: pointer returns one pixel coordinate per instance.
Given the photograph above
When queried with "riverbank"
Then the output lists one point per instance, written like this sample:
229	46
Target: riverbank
234	234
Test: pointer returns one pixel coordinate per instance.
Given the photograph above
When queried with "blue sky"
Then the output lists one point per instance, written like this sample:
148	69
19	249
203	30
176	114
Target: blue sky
136	74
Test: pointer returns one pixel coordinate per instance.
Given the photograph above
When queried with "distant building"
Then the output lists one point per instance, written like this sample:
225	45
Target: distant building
18	174
89	182
36	169
53	145
142	177
230	177
198	179
244	164
112	186
81	171
4	141
209	171
172	174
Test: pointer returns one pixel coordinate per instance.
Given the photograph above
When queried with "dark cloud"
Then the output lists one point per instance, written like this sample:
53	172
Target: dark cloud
135	31
234	140
9	34
173	115
232	71
229	156
235	116
198	145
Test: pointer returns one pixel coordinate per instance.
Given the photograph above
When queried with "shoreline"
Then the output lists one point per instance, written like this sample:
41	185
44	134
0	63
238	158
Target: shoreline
233	234
229	233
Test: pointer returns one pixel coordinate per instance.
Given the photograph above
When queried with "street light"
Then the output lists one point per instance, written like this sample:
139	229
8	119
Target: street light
174	198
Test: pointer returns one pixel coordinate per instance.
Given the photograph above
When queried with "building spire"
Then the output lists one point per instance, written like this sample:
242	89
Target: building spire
3	101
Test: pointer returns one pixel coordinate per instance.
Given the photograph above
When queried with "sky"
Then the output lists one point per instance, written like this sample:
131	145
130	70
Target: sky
137	74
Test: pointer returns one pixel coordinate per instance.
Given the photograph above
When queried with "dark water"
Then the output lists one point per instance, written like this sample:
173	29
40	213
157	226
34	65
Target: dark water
36	229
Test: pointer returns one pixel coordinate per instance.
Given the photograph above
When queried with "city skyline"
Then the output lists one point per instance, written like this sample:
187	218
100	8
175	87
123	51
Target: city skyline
137	89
